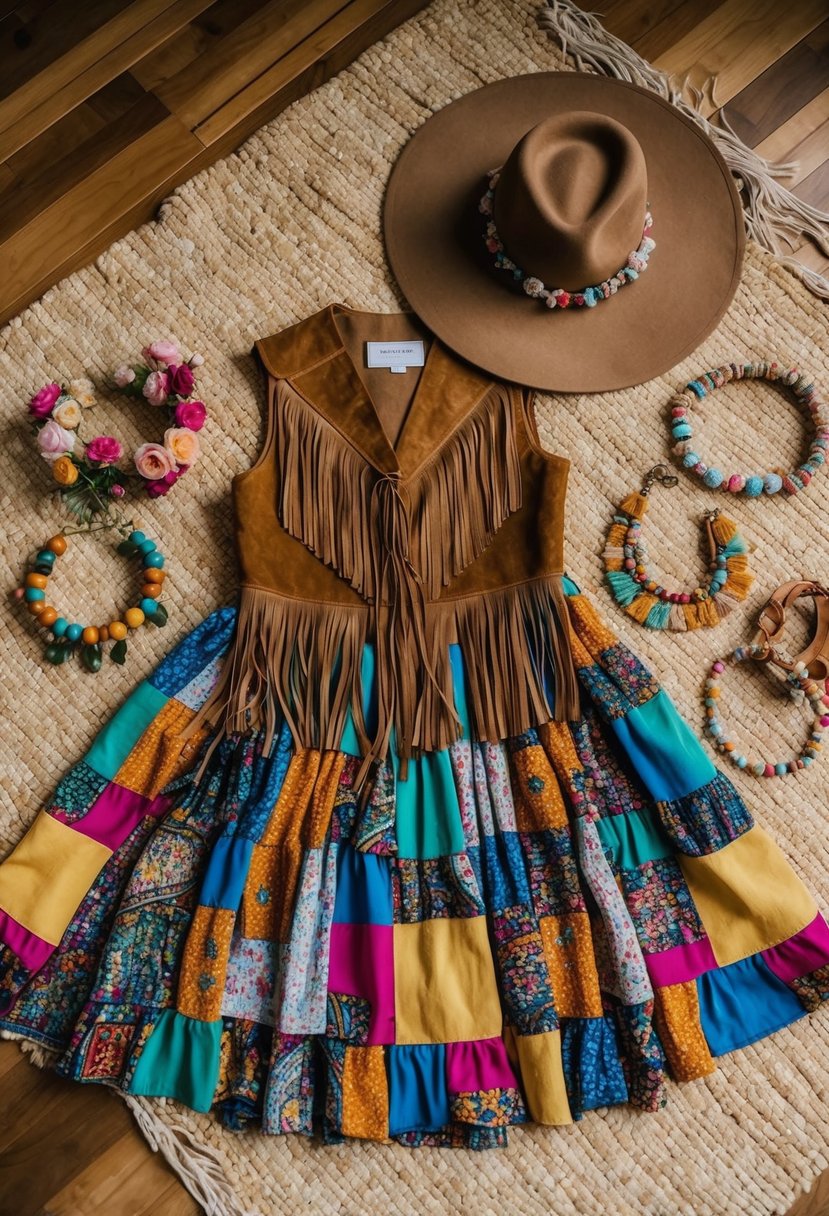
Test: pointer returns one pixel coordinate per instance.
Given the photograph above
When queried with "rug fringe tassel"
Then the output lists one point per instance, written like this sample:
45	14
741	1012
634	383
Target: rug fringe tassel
41	1057
194	1162
772	213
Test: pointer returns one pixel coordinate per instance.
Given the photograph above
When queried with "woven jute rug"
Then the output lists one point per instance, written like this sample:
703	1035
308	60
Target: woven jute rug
257	242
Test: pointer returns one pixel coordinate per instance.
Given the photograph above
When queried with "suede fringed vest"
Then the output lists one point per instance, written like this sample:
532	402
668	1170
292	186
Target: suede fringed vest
410	510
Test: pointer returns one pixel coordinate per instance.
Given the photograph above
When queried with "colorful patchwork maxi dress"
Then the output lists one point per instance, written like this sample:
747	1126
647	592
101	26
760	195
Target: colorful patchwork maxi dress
409	846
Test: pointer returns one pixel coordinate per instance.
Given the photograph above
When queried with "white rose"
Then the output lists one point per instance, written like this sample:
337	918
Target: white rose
83	392
67	414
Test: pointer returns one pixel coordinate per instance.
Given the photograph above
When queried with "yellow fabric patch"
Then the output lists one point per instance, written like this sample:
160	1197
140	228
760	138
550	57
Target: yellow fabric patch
204	964
157	756
542	1077
557	742
747	895
676	1014
445	989
568	949
365	1094
46	876
540	808
589	626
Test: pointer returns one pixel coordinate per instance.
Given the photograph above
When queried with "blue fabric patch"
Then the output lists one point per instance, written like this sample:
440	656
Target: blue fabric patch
427	813
634	838
227	869
593	1072
663	750
113	744
418	1098
266	783
708	819
505	875
364	895
194	652
743	1002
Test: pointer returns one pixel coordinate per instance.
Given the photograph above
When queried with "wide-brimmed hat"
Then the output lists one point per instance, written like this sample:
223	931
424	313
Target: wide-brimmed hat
518	224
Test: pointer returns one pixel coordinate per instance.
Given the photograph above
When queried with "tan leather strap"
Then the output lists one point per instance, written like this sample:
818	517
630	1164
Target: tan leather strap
772	624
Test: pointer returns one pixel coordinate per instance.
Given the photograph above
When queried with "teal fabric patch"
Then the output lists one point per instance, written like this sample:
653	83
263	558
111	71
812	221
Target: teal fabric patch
634	838
663	750
114	743
348	741
180	1060
427	814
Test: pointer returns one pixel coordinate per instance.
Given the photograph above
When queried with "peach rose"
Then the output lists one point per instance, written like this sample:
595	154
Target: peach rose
67	414
153	461
182	444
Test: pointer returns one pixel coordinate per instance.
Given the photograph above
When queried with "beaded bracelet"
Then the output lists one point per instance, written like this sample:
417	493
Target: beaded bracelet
800	680
752	485
66	636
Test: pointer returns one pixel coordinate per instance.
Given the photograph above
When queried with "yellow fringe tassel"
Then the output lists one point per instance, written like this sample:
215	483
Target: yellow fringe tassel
634	505
641	606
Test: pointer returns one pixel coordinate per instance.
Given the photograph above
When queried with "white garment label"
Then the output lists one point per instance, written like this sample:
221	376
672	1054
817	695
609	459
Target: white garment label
396	356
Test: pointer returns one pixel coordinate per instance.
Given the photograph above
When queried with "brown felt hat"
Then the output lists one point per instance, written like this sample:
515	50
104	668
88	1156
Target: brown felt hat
582	159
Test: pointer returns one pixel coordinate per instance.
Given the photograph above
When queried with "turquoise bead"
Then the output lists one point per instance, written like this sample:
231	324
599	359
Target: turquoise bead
807	760
137	538
682	431
753	487
689	460
147	546
34	593
46	556
712	478
154	560
740	761
780	770
148	607
60	626
772	483
73	632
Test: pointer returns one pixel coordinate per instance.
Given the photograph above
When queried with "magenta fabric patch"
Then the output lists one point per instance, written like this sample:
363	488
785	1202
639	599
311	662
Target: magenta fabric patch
801	954
32	950
480	1065
115	814
681	963
362	964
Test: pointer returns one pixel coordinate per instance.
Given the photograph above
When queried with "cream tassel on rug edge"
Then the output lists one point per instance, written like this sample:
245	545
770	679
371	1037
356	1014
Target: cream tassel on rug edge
41	1057
772	213
194	1163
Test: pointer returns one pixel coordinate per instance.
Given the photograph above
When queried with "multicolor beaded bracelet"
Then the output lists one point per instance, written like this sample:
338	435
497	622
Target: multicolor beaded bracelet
800	681
752	485
66	636
643	598
557	297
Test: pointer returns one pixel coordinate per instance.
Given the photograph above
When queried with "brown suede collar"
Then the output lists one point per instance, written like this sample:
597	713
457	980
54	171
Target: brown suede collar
312	357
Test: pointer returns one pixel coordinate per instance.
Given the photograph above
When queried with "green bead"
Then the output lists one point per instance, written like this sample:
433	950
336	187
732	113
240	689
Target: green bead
127	548
92	657
46	557
34	593
137	538
42	568
73	632
119	652
154	560
56	652
148	607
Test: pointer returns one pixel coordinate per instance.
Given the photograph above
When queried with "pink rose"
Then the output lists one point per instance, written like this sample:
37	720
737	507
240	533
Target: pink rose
156	489
104	449
157	388
42	403
117	490
162	351
123	375
53	440
153	461
190	414
182	379
182	444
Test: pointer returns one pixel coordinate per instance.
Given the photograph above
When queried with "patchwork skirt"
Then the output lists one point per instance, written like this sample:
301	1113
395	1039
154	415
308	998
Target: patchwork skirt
523	930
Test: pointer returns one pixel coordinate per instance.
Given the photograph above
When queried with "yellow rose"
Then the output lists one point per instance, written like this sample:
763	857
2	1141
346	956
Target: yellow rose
64	471
182	444
67	414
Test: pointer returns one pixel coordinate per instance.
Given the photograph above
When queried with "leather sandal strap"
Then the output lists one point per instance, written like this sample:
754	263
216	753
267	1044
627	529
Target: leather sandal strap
772	623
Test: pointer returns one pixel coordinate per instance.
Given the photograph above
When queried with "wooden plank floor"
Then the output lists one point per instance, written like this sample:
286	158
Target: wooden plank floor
104	107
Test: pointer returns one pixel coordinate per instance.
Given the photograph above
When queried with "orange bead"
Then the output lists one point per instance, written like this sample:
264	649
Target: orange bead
151	575
36	607
134	617
151	590
103	633
712	692
37	580
48	616
90	635
57	544
117	630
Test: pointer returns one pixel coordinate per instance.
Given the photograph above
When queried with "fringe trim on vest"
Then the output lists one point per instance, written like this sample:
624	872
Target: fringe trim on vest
301	662
454	505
